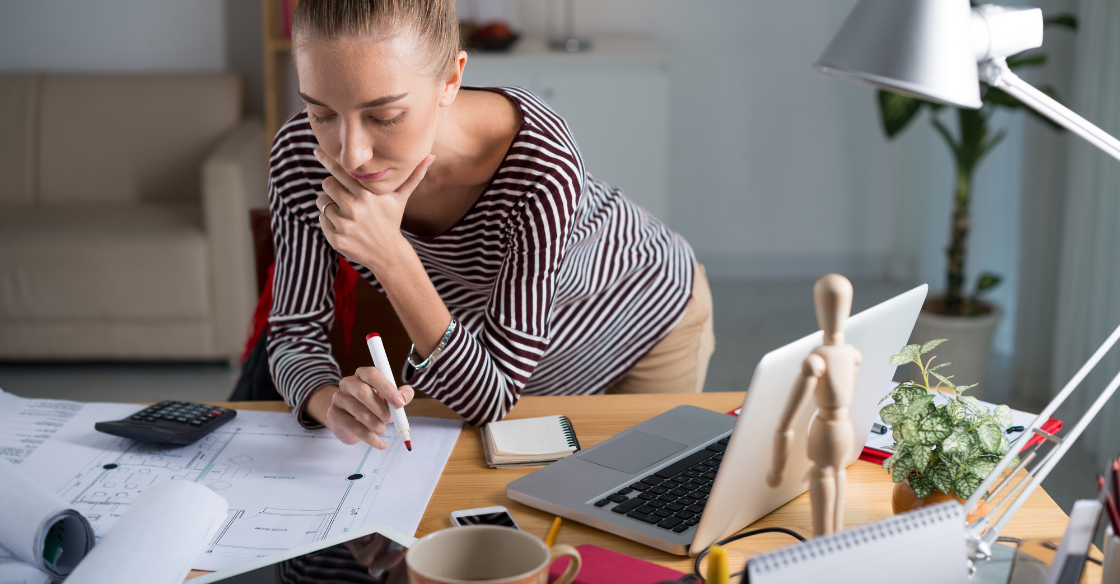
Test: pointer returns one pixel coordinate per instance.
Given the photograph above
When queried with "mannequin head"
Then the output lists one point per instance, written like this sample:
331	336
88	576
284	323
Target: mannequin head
832	295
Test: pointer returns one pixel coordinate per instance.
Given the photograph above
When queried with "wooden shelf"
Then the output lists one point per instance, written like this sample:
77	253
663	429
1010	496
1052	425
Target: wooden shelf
274	47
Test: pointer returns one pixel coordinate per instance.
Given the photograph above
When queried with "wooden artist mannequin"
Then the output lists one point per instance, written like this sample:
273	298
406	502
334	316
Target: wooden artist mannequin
829	373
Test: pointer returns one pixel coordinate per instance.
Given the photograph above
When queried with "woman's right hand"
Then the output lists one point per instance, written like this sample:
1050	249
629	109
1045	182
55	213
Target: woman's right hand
357	409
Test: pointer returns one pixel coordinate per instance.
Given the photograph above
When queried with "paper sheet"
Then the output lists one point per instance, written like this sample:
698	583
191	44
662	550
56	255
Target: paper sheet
13	571
286	486
38	527
885	441
158	537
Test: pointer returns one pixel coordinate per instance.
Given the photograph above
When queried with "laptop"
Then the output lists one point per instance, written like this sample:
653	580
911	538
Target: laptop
689	477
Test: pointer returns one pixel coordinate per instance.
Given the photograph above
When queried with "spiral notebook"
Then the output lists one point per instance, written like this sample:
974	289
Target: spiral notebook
928	542
528	442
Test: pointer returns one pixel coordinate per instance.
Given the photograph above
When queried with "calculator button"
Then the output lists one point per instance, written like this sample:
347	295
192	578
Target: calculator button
215	413
196	423
181	420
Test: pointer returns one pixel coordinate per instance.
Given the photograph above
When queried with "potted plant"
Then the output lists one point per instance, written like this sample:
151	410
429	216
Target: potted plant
966	318
944	443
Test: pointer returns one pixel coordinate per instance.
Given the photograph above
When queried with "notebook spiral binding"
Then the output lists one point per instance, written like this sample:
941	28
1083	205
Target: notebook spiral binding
569	432
870	534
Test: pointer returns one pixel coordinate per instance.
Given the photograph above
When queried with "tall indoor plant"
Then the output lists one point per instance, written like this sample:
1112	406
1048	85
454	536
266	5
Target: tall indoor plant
957	314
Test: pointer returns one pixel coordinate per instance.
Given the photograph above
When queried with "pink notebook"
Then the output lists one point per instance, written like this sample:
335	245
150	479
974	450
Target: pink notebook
602	566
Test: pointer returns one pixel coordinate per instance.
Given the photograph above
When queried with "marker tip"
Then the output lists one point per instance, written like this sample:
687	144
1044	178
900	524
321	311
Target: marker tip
408	445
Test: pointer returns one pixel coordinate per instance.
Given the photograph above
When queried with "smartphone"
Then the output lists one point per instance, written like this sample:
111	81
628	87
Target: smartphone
484	516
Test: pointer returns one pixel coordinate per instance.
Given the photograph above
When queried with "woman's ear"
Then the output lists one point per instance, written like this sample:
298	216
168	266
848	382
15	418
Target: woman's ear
454	80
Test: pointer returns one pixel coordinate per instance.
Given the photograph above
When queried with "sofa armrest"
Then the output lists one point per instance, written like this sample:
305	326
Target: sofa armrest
234	180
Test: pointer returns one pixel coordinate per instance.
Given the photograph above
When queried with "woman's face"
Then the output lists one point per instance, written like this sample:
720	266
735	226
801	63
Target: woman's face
372	105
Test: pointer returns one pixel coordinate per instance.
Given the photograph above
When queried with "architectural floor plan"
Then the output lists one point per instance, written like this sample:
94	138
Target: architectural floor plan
286	485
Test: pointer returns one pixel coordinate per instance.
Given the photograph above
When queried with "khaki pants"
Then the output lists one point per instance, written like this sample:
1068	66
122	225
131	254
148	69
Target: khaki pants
679	363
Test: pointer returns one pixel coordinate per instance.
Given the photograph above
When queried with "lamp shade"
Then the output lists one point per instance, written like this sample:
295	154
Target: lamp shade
916	47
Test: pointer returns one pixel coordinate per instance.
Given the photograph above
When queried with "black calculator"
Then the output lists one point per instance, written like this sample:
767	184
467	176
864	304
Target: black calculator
171	422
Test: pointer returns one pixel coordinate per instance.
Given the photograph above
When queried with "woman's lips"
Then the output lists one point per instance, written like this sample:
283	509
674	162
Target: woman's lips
373	176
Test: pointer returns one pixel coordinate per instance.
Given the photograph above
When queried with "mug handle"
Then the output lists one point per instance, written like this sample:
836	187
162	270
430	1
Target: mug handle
562	550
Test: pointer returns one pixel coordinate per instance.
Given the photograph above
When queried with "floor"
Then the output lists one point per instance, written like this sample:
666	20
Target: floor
752	318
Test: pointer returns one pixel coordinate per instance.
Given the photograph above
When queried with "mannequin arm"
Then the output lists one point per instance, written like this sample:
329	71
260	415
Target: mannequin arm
811	371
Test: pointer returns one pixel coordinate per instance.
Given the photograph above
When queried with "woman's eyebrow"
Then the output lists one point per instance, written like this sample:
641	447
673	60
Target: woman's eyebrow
372	103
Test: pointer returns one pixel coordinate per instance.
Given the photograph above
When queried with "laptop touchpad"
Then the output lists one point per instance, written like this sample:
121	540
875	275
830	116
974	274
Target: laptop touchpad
632	452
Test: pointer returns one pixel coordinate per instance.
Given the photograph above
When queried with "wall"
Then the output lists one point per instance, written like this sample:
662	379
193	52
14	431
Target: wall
775	169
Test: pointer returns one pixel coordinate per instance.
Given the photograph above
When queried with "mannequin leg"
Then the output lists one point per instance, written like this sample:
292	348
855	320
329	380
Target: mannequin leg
841	486
822	495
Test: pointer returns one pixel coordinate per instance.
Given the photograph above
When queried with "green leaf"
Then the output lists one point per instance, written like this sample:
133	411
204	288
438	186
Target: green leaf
899	359
965	484
895	458
931	345
989	435
945	380
1004	446
922	486
980	466
928	430
1002	416
955	446
920	459
893	414
940	365
941	478
900	471
987	281
963	388
907	394
896	111
896	433
1065	19
1035	59
911	351
974	405
919	406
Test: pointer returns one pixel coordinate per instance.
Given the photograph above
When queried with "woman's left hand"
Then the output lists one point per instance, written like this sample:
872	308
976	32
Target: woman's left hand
357	223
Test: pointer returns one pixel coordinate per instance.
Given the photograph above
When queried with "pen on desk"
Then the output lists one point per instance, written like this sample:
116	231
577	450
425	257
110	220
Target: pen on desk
878	428
381	361
552	531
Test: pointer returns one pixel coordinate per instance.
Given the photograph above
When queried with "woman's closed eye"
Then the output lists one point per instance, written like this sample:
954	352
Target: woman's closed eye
324	119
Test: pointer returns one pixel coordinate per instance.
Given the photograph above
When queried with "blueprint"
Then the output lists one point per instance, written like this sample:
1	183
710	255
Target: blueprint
286	486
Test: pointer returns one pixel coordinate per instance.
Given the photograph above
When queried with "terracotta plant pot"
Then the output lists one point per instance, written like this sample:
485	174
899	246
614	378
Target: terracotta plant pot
904	499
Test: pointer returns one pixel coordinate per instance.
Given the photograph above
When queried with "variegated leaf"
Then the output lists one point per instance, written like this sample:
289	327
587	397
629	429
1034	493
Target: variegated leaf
1002	416
929	430
989	435
965	484
931	345
900	471
919	458
973	405
943	379
981	466
893	414
940	477
921	485
900	359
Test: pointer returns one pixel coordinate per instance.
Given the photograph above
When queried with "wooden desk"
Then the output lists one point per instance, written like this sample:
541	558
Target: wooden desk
467	482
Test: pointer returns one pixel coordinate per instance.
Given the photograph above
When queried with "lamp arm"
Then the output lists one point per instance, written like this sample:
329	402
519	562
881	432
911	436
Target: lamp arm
993	533
979	538
997	74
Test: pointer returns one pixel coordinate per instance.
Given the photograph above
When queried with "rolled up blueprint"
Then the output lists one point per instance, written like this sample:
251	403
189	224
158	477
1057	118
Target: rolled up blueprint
157	538
38	527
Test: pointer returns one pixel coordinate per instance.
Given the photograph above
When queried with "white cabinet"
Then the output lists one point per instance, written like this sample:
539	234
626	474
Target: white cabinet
615	99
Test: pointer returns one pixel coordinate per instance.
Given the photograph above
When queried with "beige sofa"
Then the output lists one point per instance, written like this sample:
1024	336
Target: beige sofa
124	226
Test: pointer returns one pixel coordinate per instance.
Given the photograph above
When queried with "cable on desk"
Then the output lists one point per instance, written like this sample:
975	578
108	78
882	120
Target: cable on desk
737	537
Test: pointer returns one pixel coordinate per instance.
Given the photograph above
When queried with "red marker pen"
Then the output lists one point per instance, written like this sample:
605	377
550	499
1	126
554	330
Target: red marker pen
381	361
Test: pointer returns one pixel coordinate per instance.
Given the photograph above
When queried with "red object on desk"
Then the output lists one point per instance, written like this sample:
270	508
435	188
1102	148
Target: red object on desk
602	566
876	456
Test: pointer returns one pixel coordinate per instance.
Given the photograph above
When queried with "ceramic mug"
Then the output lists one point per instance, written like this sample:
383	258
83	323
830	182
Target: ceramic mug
486	554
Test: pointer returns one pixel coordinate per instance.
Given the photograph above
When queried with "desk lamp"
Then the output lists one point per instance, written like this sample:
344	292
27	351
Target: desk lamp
938	50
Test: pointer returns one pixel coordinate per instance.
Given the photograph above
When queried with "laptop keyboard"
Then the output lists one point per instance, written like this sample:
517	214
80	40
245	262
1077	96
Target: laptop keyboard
673	497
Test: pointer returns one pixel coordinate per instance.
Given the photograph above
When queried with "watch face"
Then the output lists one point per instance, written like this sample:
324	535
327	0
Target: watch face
500	518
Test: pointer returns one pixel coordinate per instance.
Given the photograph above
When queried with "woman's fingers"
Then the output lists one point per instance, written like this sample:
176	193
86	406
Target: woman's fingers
385	388
365	415
348	184
417	175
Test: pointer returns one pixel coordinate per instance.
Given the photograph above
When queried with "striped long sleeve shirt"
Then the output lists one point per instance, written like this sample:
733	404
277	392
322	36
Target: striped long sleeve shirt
560	283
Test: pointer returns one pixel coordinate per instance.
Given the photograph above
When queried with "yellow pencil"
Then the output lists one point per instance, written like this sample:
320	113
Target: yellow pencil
555	529
717	565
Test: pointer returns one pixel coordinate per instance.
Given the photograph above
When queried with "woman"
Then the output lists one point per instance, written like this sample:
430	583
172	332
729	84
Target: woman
513	270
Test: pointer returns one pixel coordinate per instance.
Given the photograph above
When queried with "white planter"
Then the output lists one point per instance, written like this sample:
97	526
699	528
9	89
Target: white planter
968	348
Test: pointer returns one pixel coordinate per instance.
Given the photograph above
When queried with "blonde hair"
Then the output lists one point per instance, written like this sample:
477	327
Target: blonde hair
431	22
